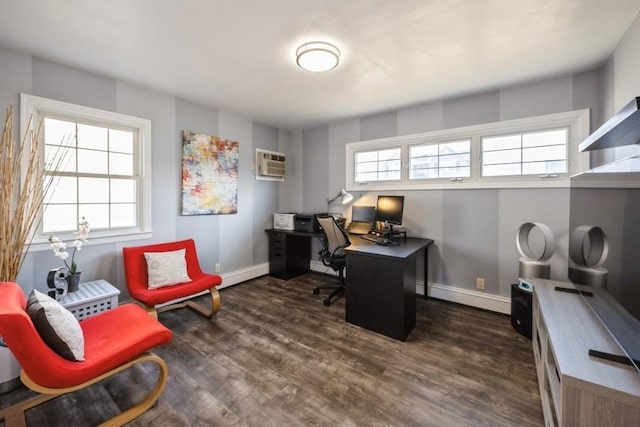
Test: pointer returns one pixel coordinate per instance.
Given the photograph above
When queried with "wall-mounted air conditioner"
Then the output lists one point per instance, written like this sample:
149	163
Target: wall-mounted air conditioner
270	165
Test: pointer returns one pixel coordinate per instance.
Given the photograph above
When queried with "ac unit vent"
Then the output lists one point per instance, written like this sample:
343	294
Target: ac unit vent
271	164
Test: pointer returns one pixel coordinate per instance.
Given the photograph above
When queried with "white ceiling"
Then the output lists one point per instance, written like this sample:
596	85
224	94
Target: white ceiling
238	55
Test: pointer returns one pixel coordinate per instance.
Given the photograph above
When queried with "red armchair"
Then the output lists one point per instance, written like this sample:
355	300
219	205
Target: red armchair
135	270
114	340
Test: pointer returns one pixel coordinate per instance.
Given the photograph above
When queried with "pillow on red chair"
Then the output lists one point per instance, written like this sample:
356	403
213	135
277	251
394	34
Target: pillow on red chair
56	325
166	268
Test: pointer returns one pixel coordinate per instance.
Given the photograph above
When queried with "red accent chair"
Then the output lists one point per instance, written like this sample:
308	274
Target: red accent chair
135	270
114	341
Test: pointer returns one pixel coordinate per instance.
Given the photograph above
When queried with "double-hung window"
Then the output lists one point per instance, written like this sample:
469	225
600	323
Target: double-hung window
98	166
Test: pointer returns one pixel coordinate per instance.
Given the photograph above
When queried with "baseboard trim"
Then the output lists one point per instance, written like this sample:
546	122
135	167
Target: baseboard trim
242	275
230	279
497	303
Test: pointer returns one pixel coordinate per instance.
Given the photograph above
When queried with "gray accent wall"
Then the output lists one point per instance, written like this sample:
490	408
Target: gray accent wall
473	230
236	241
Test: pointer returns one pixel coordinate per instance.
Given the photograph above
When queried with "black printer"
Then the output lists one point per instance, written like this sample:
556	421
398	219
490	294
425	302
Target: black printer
307	222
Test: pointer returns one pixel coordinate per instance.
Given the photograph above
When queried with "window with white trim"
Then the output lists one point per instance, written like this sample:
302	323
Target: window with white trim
532	152
440	160
102	169
379	165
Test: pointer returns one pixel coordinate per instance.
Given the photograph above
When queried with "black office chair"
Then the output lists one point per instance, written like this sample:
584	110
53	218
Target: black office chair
333	255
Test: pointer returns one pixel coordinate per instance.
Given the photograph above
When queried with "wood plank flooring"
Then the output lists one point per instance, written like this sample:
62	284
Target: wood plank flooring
275	356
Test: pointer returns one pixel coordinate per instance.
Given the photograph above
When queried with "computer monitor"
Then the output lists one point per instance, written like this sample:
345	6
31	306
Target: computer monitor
389	209
363	213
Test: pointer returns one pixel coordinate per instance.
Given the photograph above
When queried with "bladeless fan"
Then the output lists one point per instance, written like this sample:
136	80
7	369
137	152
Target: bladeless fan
588	250
533	261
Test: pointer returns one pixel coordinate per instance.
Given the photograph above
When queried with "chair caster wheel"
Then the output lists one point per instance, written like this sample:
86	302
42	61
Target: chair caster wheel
316	291
326	302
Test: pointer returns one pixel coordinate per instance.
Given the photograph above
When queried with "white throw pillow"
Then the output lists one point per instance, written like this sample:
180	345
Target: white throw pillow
56	325
166	268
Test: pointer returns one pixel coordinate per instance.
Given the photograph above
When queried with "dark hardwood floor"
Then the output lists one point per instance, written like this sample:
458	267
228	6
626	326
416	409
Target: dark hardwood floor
275	356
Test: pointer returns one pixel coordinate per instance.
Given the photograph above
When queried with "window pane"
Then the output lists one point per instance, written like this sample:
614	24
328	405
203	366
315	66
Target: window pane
423	173
121	164
93	137
62	190
540	168
367	156
123	215
498	157
389	154
94	190
553	152
96	214
497	170
423	150
59	218
366	177
57	132
455	147
123	190
366	167
388	175
121	141
390	165
59	158
460	172
501	142
551	137
90	161
455	160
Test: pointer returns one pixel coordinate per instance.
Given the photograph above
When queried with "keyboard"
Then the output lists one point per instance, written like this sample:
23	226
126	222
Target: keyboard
382	241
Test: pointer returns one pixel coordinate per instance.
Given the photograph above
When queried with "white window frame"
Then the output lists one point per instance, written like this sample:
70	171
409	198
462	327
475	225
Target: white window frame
34	108
576	121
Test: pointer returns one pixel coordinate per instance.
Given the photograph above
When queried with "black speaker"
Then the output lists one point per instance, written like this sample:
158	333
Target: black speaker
521	306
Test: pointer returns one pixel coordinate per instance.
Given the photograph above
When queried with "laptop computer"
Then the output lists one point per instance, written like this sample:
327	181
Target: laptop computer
362	219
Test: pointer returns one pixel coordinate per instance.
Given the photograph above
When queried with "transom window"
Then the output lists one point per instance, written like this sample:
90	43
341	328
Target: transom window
99	166
379	165
541	153
538	151
440	160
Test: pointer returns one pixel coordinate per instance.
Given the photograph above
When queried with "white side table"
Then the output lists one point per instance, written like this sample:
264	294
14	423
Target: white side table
90	299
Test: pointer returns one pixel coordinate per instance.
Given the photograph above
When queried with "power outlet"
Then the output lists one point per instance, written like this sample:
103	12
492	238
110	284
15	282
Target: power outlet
217	267
480	283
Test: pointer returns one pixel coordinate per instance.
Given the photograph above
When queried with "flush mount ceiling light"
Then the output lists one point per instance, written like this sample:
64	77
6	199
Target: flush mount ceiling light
317	56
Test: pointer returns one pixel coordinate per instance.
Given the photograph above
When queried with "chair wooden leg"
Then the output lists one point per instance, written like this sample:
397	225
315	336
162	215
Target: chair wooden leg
199	308
14	415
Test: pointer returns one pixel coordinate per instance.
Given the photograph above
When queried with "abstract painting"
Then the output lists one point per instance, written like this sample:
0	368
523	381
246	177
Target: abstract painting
209	175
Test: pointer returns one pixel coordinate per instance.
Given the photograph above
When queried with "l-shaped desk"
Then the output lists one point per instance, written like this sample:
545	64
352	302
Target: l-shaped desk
381	280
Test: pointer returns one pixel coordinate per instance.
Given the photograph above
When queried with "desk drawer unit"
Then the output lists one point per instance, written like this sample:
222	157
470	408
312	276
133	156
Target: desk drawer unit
288	254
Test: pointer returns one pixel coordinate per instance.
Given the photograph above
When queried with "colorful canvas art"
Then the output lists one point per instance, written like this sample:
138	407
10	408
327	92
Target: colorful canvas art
209	175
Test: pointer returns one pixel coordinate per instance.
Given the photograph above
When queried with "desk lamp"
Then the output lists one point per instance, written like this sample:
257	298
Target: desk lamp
346	197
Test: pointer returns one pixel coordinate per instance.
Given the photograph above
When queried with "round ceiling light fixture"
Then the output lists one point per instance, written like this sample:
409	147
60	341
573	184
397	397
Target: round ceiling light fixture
317	56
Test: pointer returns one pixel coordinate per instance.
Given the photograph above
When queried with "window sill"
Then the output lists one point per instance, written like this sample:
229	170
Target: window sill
464	185
94	239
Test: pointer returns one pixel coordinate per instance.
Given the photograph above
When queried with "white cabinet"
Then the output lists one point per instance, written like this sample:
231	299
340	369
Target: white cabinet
577	389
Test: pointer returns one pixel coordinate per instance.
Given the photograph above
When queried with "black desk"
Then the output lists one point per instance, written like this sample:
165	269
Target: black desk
289	252
381	285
